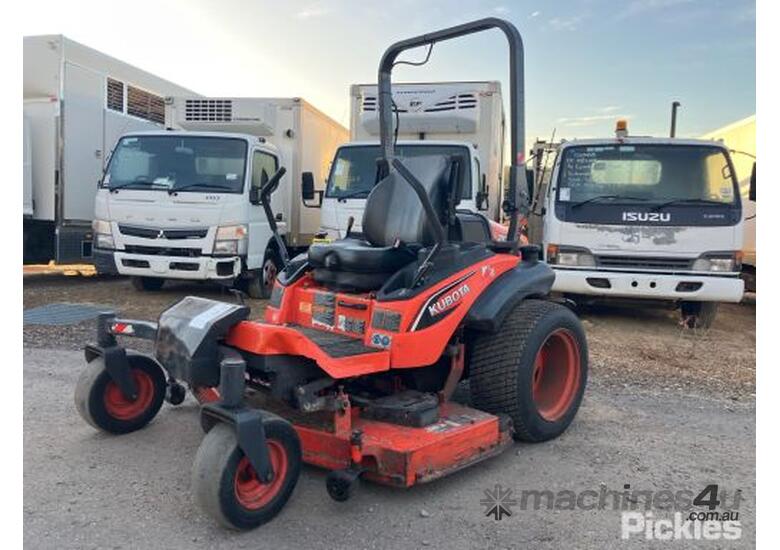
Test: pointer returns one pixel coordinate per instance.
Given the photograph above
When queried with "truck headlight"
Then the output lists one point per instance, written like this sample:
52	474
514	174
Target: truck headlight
102	232
228	239
719	262
570	256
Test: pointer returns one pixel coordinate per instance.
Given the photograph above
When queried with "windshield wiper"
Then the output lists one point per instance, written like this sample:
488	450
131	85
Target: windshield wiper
175	188
658	207
129	183
353	195
607	197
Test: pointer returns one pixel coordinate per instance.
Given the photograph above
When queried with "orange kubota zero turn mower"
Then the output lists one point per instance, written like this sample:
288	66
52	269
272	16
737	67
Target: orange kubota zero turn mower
363	343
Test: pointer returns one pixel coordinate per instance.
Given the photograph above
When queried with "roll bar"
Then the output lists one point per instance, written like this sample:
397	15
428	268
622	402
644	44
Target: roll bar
517	202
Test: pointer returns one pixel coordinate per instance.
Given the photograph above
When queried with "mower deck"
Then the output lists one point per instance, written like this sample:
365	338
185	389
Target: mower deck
404	456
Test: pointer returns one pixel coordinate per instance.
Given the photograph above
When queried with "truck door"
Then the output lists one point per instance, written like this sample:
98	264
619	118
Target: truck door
82	119
264	165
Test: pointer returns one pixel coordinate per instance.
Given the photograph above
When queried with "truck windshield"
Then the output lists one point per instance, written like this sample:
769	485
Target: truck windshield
652	174
353	173
167	163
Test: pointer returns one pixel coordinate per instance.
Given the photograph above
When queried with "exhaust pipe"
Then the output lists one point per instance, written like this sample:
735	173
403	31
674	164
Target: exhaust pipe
673	130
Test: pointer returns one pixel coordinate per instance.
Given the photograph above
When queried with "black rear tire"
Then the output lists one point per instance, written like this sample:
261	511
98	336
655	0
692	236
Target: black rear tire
222	480
147	283
539	389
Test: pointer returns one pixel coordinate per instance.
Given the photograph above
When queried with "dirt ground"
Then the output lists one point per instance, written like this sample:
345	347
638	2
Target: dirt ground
629	346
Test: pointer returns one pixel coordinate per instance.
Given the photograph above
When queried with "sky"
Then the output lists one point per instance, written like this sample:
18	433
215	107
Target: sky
587	62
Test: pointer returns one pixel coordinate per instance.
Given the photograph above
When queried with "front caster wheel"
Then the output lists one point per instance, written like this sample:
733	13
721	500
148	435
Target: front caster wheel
103	405
227	487
175	393
341	484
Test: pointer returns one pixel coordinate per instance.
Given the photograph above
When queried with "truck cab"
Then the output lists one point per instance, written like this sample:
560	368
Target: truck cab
183	205
645	218
353	174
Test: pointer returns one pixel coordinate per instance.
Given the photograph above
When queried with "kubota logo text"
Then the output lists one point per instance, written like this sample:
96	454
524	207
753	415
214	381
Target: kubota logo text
646	216
448	300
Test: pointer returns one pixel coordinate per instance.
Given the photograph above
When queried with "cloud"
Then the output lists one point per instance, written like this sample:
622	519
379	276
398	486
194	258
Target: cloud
589	120
565	23
536	13
640	7
312	11
609	109
501	10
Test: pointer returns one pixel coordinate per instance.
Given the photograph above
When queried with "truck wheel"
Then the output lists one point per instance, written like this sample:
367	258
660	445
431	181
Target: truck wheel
147	283
698	314
226	486
534	369
103	405
260	286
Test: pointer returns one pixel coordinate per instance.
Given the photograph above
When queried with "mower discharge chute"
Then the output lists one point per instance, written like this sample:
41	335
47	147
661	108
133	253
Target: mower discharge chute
363	344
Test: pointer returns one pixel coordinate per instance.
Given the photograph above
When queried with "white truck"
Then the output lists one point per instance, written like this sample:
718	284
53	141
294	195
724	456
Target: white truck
183	203
644	218
459	118
77	102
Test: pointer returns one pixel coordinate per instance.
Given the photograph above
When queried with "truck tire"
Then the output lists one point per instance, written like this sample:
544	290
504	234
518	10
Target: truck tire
225	484
147	283
698	314
260	285
534	369
101	403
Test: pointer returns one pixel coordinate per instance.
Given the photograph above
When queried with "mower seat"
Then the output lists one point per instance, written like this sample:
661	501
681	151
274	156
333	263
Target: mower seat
394	226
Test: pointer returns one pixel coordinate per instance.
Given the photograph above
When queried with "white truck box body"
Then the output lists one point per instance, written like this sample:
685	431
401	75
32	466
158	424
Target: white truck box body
305	137
72	130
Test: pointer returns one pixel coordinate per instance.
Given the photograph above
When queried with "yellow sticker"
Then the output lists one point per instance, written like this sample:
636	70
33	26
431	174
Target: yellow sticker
305	307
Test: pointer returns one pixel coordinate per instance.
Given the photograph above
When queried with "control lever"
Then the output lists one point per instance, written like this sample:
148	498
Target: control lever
265	199
350	223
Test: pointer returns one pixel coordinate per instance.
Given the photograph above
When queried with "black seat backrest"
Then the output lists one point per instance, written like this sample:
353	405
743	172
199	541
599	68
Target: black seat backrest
393	210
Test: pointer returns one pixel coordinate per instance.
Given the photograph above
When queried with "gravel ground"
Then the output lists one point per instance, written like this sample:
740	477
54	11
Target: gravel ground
83	489
628	347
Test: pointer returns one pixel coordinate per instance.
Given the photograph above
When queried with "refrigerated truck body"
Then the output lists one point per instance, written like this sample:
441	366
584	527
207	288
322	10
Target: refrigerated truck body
77	102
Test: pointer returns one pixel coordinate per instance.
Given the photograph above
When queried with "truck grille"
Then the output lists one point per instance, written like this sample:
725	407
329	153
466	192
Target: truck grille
150	233
163	251
644	262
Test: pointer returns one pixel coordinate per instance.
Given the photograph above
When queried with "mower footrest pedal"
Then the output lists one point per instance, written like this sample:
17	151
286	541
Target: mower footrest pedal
407	408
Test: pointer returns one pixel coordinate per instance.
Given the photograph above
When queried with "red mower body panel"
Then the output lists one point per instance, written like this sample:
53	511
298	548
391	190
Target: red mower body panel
430	317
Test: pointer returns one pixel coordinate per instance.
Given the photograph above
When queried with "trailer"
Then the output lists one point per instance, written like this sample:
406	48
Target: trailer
182	204
77	102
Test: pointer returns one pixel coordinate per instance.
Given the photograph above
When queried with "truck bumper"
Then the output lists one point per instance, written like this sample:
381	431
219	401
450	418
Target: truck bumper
104	262
174	267
697	288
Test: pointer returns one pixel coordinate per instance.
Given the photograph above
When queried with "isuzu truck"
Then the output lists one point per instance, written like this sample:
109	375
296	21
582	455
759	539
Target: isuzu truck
644	218
455	118
183	203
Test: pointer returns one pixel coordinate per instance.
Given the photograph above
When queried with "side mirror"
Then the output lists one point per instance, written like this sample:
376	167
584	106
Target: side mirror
529	180
254	195
307	186
752	191
483	197
308	193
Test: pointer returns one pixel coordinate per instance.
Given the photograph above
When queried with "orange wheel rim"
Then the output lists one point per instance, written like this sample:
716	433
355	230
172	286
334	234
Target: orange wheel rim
122	408
556	375
252	493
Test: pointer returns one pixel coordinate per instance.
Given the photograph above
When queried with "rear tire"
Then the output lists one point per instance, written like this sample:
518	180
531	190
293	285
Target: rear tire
224	482
261	285
101	404
147	283
534	369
